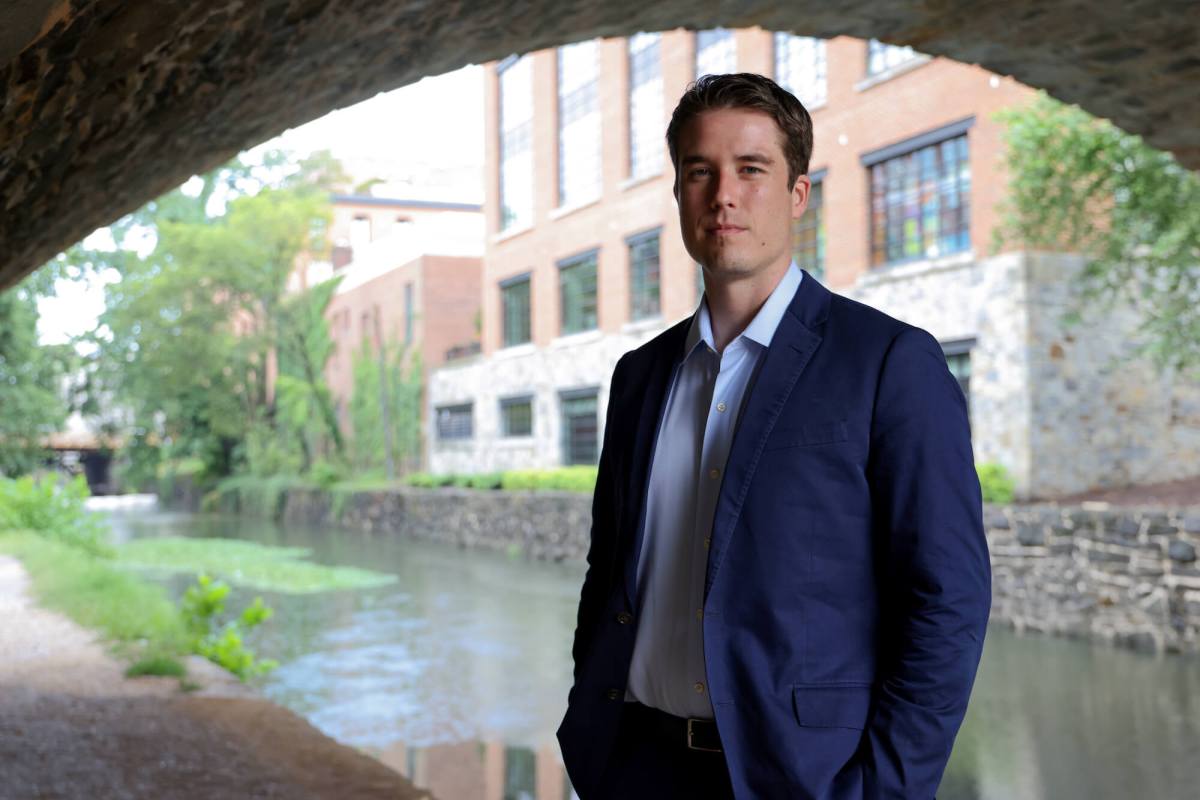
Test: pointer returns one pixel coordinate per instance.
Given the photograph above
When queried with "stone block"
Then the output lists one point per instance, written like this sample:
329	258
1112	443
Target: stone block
1181	551
1031	534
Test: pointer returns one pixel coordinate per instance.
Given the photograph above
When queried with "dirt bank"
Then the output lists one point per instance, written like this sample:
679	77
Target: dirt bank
72	726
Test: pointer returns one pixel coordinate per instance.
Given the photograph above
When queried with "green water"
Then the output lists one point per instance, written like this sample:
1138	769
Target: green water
457	675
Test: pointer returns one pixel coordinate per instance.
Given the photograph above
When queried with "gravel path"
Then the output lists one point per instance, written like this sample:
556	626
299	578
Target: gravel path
72	726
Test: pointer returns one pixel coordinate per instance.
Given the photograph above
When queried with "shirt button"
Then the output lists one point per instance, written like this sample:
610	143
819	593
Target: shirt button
624	618
699	613
707	540
720	406
699	687
714	473
614	694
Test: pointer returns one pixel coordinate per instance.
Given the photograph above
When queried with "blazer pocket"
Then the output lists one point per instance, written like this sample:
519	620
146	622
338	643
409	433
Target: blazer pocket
832	706
810	434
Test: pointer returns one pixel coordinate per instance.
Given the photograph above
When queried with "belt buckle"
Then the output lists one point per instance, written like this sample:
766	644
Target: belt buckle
690	734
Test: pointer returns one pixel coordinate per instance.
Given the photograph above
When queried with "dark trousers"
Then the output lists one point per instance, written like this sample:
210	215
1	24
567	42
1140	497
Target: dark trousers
651	761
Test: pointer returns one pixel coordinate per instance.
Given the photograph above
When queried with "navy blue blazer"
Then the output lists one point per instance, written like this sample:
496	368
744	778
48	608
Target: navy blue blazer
848	583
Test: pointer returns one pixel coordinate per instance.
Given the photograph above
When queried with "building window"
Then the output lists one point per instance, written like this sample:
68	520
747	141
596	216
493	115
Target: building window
958	360
516	416
514	301
408	312
800	67
881	57
644	275
578	124
808	232
577	281
920	196
455	422
716	52
645	105
580	426
516	142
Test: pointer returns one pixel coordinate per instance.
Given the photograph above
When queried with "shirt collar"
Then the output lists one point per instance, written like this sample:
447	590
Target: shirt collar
762	328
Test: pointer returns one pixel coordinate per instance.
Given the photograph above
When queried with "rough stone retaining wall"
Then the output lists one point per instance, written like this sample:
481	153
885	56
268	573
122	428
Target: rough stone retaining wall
1129	577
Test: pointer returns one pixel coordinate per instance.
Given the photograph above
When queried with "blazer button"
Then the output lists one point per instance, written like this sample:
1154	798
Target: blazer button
624	618
614	694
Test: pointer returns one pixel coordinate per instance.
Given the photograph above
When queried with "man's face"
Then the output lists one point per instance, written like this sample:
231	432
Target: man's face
735	205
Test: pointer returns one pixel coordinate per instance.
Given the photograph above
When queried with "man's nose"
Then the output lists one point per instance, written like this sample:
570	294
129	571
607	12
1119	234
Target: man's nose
724	189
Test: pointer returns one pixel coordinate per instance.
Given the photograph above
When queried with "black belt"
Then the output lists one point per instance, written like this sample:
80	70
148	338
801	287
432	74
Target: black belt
693	732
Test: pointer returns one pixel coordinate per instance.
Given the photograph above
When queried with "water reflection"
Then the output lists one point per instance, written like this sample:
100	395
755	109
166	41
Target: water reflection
457	676
483	771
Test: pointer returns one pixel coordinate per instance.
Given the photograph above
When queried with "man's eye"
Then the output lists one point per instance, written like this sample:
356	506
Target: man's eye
753	169
697	172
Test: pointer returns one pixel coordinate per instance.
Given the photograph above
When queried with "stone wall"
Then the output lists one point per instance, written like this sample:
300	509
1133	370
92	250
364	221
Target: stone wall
135	97
1126	576
1129	577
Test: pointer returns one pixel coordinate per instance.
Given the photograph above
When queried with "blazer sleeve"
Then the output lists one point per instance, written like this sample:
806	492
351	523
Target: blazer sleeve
935	574
597	579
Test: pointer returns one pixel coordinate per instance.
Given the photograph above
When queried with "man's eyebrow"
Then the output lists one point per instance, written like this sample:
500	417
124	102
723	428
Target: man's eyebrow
757	158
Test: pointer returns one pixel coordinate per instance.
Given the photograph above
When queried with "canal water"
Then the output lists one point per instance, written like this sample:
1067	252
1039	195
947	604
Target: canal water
457	676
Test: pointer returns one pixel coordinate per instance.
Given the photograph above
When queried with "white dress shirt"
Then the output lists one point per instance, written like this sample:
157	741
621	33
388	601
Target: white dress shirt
667	671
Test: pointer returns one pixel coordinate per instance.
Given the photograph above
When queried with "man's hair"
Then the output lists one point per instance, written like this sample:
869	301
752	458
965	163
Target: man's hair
754	92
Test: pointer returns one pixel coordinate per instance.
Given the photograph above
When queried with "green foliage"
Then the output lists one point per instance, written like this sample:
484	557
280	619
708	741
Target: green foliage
53	509
30	375
246	564
995	482
190	329
221	642
97	593
162	665
1081	184
325	474
565	479
403	392
426	480
257	496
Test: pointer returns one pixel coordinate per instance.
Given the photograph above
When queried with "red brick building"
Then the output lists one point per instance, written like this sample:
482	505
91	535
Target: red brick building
584	261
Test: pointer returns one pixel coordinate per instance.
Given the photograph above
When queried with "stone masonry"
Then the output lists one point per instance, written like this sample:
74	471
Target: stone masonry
134	97
1129	577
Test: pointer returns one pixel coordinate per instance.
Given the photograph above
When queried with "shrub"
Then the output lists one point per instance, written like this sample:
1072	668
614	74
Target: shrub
221	643
995	482
325	473
53	510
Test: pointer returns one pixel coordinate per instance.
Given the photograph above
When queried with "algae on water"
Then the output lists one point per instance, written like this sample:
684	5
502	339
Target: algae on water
247	564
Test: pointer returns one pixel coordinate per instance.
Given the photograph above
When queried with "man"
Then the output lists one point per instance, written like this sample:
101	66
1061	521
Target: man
788	581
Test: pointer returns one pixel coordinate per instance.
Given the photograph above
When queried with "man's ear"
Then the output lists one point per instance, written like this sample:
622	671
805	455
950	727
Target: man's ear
800	191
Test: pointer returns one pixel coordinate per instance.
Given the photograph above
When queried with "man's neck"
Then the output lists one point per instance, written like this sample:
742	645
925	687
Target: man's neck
732	306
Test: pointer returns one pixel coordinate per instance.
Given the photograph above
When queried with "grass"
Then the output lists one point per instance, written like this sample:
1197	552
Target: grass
97	594
247	564
163	665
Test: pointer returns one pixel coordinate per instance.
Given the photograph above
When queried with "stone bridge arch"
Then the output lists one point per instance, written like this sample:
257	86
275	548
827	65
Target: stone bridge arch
106	104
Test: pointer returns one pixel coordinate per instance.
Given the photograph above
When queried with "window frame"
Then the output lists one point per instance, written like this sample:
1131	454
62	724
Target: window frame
441	433
631	242
873	159
507	403
511	283
564	266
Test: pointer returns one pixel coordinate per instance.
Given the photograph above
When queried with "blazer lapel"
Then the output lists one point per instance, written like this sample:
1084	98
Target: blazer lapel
667	358
792	347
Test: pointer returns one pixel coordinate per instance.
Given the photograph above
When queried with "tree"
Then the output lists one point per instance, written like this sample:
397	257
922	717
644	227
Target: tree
1082	185
403	371
192	329
32	378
